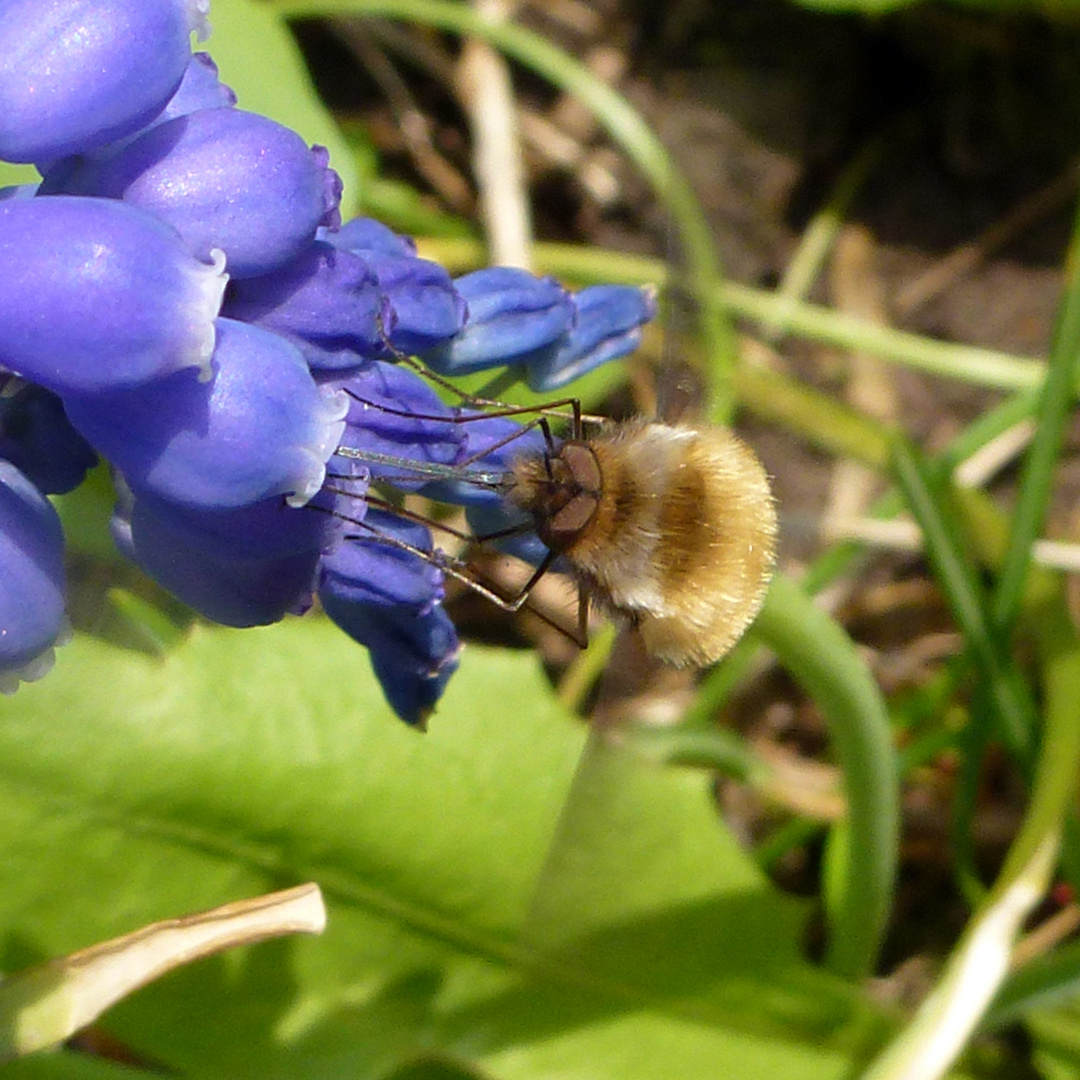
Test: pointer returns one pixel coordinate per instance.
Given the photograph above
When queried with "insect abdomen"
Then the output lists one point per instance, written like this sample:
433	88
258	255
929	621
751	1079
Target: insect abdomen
715	564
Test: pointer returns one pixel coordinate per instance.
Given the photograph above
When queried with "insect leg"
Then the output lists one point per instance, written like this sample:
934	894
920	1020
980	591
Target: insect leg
498	410
460	570
582	639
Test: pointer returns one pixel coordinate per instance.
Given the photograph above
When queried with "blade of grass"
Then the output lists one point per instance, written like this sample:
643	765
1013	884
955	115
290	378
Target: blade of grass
1055	407
800	831
820	418
711	748
790	835
825	662
1051	979
967	363
980	367
976	968
927	499
838	559
973	744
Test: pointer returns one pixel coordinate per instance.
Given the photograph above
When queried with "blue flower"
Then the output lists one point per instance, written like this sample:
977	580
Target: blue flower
326	301
511	313
425	309
18	191
389	600
37	437
267	529
260	426
489	444
248	566
200	88
224	179
227	589
516	318
393	412
244	446
368	235
97	294
486	519
76	74
608	325
31	579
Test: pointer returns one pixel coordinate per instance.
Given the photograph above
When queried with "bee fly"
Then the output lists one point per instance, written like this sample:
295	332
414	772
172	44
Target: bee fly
670	526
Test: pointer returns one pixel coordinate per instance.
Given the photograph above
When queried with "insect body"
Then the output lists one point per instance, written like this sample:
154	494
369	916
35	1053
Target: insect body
670	525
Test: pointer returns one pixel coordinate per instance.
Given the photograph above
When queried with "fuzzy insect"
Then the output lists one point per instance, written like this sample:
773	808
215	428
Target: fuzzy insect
670	526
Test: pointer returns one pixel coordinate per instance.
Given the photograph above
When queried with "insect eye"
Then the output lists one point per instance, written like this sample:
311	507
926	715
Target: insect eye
566	524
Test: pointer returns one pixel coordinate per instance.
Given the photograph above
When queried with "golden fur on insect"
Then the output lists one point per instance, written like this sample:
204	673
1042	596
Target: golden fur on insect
673	526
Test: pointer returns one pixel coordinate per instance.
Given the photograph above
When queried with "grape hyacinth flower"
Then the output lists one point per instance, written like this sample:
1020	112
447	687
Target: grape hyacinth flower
425	307
327	302
31	579
511	315
100	295
37	437
224	179
77	75
260	426
393	412
244	426
389	599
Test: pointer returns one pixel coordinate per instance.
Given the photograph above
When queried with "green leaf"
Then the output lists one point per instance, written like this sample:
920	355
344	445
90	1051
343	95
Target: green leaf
17	174
72	1066
134	788
258	58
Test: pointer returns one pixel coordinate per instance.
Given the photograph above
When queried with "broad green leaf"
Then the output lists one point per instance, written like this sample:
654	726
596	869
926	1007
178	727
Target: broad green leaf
67	1065
258	58
133	788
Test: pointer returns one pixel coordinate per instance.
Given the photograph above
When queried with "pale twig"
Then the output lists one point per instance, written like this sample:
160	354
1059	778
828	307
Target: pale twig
902	534
1050	932
486	93
857	290
995	455
41	1007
